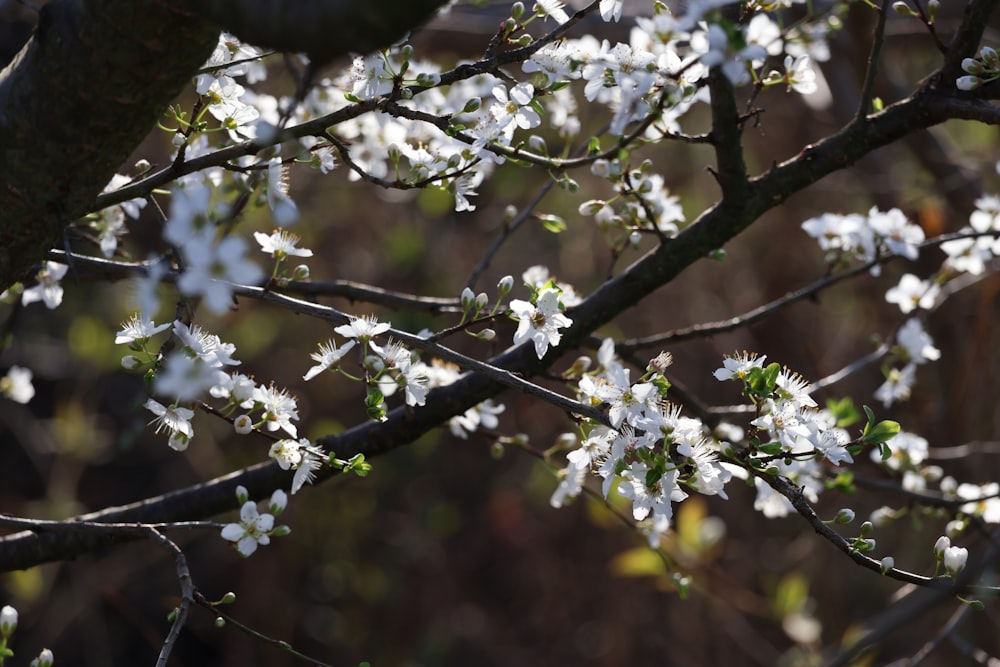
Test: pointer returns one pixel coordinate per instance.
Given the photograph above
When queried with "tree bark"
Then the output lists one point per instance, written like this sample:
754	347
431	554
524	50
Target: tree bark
92	81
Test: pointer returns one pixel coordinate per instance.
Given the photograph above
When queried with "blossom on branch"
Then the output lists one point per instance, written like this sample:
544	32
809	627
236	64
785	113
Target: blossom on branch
540	322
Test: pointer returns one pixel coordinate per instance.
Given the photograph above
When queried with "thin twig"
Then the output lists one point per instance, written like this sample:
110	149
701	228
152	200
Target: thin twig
873	57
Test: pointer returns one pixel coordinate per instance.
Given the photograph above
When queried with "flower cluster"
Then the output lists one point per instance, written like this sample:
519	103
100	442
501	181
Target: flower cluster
651	453
984	68
255	529
865	237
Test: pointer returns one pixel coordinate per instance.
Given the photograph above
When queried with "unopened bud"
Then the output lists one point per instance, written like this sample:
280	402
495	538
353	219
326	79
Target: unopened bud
940	547
468	299
8	621
505	285
901	7
472	105
142	166
846	515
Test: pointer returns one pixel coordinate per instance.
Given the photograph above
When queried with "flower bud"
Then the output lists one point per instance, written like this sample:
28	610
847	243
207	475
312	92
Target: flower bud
990	57
887	564
142	166
968	82
932	9
472	105
178	140
955	527
867	528
972	66
940	547
8	621
482	300
517	11
954	559
468	299
242	495
635	238
844	516
505	285
428	79
279	500
901	7
487	335
301	272
44	659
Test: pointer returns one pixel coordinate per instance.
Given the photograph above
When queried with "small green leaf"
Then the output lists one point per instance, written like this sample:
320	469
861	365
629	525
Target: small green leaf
771	448
869	413
881	432
553	223
844	411
885	451
594	146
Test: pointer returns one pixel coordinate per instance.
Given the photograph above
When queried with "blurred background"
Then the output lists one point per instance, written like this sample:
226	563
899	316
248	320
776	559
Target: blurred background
450	554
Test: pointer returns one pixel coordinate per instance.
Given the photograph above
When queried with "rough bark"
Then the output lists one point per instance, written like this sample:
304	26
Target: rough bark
92	81
323	29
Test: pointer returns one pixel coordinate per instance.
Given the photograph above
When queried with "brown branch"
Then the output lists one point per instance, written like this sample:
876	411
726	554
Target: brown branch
716	226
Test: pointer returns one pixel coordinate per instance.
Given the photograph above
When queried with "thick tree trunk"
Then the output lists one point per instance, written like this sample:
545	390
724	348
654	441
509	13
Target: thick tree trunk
76	101
90	84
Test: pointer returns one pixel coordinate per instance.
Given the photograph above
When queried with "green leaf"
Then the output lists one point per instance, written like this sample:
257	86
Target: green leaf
638	562
881	432
770	448
885	451
553	223
593	146
843	482
870	414
844	411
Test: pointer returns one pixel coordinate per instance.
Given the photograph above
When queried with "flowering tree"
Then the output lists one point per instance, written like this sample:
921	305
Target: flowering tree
596	120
